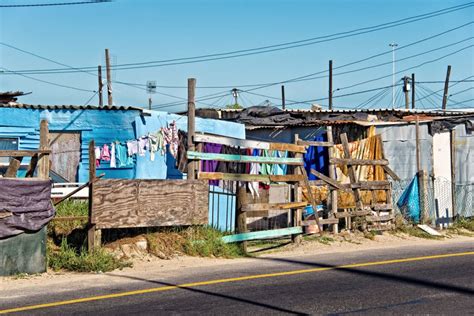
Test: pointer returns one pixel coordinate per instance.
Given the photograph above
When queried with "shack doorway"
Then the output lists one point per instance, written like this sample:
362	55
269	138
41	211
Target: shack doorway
65	154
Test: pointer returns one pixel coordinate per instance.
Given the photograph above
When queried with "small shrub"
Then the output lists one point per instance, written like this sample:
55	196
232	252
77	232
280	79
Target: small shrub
207	242
69	208
464	223
67	258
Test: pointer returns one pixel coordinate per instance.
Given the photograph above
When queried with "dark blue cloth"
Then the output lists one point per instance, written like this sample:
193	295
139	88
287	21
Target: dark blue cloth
317	158
410	201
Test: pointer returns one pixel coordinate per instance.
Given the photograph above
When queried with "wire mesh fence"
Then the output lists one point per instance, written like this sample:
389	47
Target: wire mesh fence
439	199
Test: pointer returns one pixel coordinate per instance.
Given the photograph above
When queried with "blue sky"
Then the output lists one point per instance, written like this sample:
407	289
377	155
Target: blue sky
137	31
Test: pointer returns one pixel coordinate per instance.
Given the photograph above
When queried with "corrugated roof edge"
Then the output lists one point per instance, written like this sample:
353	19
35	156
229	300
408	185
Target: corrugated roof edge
72	107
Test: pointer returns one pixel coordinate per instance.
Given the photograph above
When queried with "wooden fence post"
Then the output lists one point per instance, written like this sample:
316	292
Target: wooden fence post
241	217
191	126
43	161
332	175
296	213
94	235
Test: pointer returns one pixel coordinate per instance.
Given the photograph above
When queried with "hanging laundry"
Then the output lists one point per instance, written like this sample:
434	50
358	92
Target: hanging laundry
161	142
97	156
254	169
142	145
266	168
132	147
182	159
280	169
153	145
105	153
211	165
124	160
113	163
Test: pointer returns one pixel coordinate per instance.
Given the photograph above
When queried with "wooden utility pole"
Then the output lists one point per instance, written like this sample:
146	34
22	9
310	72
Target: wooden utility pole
283	106
406	90
191	125
446	87
99	75
413	91
149	103
109	77
241	216
330	85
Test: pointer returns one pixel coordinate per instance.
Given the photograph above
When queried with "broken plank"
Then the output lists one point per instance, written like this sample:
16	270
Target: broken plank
358	162
13	167
381	218
270	206
22	153
315	144
244	159
244	143
249	177
330	181
32	166
263	234
382	207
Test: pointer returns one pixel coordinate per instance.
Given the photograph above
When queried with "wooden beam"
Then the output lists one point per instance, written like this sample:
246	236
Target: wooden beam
315	144
381	218
22	153
352	176
244	159
332	174
311	196
32	166
391	173
244	143
352	214
249	177
263	234
382	207
330	181
13	167
322	221
94	236
257	214
358	162
270	206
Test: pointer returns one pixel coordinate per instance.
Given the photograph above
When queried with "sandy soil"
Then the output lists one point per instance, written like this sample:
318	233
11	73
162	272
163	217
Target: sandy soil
150	265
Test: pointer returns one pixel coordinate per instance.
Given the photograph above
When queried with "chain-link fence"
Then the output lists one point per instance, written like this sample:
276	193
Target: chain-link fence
439	199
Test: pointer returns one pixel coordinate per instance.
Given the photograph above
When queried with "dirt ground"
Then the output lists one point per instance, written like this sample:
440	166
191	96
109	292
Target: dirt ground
163	268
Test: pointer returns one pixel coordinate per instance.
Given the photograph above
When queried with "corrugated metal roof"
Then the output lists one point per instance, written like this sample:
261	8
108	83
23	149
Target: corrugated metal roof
70	107
405	111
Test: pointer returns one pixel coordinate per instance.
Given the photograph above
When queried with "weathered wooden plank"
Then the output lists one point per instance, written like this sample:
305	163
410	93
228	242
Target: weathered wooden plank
381	218
322	221
257	213
382	207
244	143
352	176
330	181
270	206
391	173
22	153
148	203
358	162
43	161
315	144
244	159
352	214
263	234
249	177
13	167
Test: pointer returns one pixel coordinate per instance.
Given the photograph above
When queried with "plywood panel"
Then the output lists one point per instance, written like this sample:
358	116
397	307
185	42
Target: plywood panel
146	203
65	154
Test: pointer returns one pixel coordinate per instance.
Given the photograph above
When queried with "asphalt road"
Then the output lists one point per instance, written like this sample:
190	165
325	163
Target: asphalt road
421	280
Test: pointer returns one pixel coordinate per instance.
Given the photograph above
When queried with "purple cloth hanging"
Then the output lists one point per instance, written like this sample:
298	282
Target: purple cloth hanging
211	165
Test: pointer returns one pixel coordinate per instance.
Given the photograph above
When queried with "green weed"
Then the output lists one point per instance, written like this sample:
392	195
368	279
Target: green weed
68	258
66	209
207	242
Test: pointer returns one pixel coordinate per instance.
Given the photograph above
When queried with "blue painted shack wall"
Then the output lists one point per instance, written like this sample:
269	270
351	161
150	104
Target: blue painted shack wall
163	167
104	126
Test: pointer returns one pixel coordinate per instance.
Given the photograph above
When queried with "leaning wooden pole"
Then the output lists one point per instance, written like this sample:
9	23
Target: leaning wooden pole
191	125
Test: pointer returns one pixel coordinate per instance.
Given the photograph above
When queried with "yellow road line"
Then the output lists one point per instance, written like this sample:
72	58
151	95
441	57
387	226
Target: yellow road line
228	280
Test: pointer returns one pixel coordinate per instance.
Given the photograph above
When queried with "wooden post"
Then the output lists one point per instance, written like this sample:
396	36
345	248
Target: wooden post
99	75
332	175
405	90
43	162
241	217
330	85
453	170
423	196
109	77
413	91
283	101
13	167
94	235
446	88
296	213
149	103
191	125
417	143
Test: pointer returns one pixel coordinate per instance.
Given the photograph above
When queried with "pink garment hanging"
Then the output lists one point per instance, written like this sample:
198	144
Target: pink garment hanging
105	153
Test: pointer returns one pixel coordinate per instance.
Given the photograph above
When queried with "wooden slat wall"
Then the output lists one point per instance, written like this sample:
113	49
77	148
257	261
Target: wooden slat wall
119	203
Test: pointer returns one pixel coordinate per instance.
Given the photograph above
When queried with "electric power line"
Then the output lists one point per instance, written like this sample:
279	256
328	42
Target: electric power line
51	4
